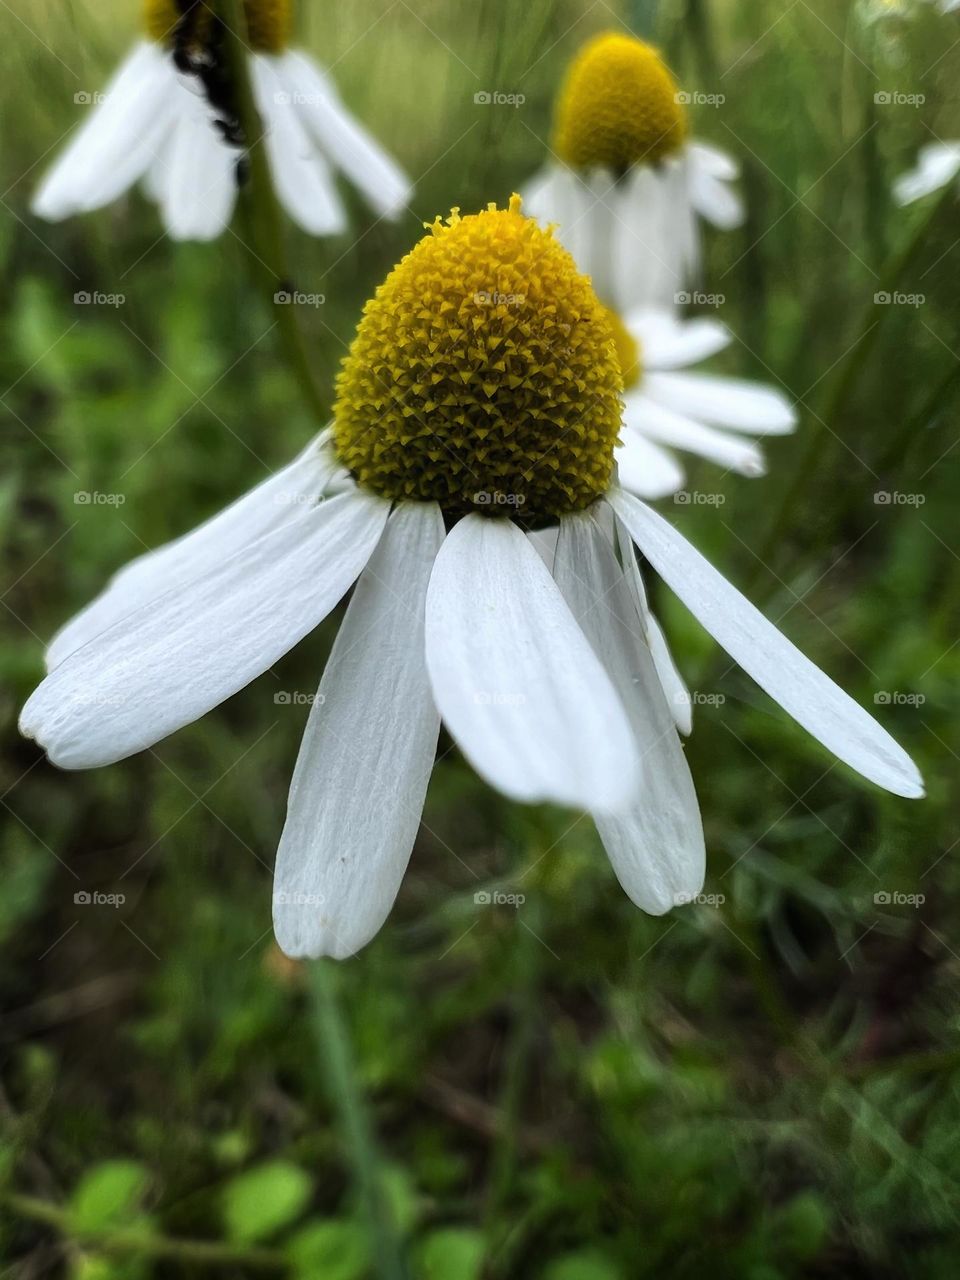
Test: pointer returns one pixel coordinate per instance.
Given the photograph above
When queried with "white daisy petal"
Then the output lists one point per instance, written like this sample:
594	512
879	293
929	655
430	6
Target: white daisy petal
115	146
669	343
172	660
196	174
713	196
646	469
656	847
514	678
250	517
643	414
651	246
343	140
735	403
937	165
674	686
369	746
301	175
808	695
718	163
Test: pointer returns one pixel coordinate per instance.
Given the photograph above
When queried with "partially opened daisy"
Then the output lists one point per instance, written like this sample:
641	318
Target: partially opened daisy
480	401
668	408
168	117
627	183
937	165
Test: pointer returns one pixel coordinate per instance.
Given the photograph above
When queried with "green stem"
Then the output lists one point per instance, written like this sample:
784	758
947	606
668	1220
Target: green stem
843	386
131	1240
701	37
261	209
938	398
349	1104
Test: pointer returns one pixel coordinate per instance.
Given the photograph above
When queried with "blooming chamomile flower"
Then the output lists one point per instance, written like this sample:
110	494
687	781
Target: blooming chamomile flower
937	165
628	183
168	117
479	406
667	408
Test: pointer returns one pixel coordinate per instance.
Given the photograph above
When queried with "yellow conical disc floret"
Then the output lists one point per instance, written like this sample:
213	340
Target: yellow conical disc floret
629	354
483	375
618	107
268	22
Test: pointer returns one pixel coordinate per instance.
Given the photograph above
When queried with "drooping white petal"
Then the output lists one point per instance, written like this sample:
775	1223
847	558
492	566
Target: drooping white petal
264	508
362	773
651	243
643	414
194	176
674	687
180	655
646	469
713	160
667	342
711	191
544	542
656	847
343	140
301	174
937	165
735	403
116	144
808	695
514	678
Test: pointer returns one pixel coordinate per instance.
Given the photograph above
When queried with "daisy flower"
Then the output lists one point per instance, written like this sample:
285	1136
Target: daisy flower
937	165
667	408
480	400
628	184
166	118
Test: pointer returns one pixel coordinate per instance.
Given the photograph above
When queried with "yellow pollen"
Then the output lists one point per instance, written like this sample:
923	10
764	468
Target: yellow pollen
483	375
268	22
629	354
619	106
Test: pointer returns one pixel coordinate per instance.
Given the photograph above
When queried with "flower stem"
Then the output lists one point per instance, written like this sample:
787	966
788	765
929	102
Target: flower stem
262	213
844	384
347	1096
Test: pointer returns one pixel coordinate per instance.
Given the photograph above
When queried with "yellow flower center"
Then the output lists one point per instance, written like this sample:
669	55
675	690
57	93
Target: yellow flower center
618	107
483	375
628	351
189	22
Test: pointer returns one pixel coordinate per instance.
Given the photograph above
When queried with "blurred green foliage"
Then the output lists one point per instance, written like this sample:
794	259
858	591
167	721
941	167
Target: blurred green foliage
567	1090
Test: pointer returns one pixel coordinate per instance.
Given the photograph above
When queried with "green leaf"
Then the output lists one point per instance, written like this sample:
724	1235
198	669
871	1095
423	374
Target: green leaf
336	1250
452	1253
264	1199
107	1195
587	1264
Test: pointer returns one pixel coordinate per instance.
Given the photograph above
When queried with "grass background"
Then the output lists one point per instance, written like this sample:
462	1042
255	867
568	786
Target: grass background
568	1090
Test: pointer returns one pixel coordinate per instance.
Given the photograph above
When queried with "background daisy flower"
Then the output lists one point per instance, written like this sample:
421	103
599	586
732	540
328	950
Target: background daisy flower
938	164
627	184
480	399
167	117
667	408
